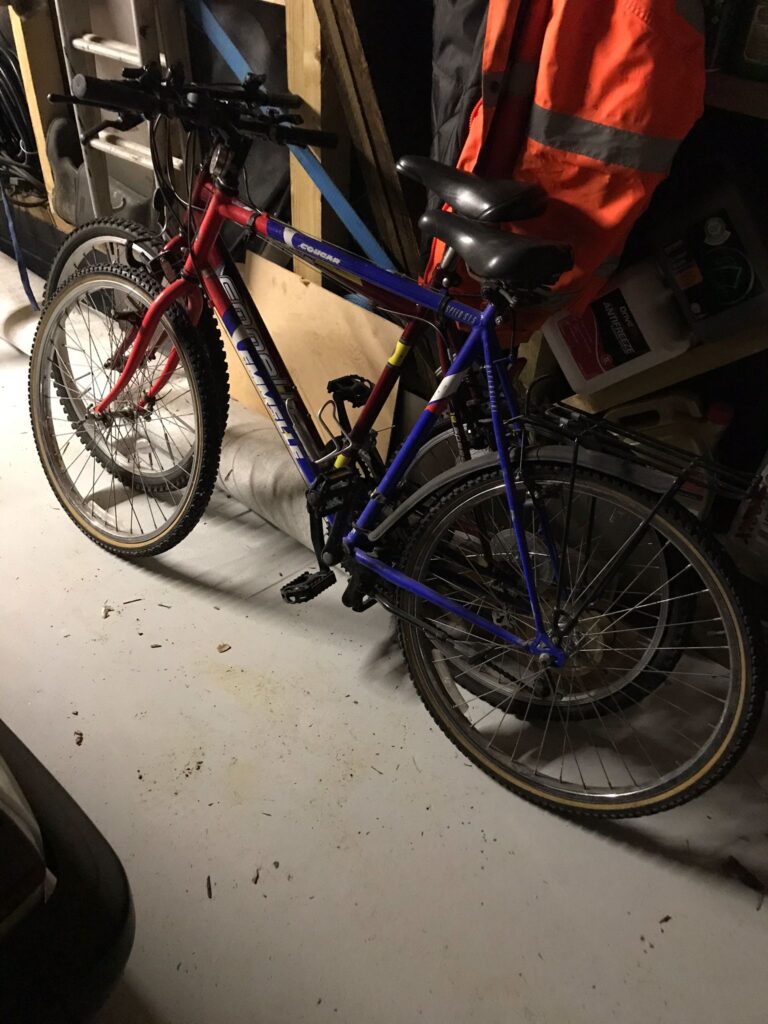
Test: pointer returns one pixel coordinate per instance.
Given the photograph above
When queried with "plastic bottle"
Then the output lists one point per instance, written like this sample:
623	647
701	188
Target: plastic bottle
633	324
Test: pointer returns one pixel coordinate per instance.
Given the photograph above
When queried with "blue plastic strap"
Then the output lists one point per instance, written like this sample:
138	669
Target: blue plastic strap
342	207
18	254
319	176
203	16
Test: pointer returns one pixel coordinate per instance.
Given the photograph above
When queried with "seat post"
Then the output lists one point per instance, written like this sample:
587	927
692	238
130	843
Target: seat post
442	271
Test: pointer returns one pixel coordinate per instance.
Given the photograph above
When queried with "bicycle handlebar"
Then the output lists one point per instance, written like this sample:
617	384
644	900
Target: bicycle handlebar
115	95
252	89
234	108
284	100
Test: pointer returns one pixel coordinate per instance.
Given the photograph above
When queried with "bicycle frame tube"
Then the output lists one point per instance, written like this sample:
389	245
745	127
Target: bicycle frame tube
335	261
380	285
392	575
259	354
493	368
356	273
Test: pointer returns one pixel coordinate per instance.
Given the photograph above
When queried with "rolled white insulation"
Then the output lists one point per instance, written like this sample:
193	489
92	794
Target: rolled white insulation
257	470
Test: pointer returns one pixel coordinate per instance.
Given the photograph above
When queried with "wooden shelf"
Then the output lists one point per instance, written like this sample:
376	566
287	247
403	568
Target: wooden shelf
739	95
700	359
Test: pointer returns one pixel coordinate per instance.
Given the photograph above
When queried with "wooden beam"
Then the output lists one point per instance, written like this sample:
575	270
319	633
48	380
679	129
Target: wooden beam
311	76
710	355
36	48
369	135
304	60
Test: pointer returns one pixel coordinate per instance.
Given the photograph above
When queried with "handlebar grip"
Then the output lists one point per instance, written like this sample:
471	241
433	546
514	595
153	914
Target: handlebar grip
284	100
306	137
114	95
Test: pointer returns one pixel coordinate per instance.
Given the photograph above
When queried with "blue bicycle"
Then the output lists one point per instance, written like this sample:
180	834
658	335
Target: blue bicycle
569	626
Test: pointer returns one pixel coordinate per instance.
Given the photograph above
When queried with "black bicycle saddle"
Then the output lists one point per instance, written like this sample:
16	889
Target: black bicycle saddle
496	255
489	199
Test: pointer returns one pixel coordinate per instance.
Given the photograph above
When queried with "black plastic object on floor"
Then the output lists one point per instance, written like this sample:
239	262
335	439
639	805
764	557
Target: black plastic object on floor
61	961
71	197
18	255
39	241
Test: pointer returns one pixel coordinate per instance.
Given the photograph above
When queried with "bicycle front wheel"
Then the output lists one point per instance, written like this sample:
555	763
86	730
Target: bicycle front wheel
136	477
660	690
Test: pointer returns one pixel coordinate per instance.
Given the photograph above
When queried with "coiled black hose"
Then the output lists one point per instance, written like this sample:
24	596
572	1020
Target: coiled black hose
18	153
20	172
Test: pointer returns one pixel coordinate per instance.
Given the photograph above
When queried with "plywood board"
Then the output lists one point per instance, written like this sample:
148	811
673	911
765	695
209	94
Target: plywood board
320	336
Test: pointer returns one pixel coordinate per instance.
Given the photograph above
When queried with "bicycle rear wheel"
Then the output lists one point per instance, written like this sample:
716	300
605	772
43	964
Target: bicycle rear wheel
136	477
100	243
660	691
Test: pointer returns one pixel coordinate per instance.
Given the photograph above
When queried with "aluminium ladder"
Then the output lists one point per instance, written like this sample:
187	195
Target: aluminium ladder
158	32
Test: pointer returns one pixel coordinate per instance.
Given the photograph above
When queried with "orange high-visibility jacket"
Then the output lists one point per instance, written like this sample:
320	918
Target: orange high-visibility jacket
590	99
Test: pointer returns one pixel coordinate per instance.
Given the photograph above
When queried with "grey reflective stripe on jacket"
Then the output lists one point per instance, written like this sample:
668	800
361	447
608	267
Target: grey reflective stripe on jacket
519	79
601	141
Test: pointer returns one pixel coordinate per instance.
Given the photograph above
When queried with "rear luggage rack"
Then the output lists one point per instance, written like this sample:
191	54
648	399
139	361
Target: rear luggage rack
590	431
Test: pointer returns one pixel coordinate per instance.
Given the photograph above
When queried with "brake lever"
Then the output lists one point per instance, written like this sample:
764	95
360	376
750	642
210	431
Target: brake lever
122	123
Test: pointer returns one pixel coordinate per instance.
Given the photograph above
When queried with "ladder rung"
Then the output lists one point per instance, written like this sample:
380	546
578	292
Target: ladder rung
127	149
113	49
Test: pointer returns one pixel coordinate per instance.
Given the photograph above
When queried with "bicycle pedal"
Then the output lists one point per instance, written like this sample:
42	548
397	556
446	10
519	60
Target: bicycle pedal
307	586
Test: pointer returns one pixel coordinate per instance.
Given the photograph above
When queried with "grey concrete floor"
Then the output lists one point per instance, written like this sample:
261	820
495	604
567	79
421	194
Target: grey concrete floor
360	870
